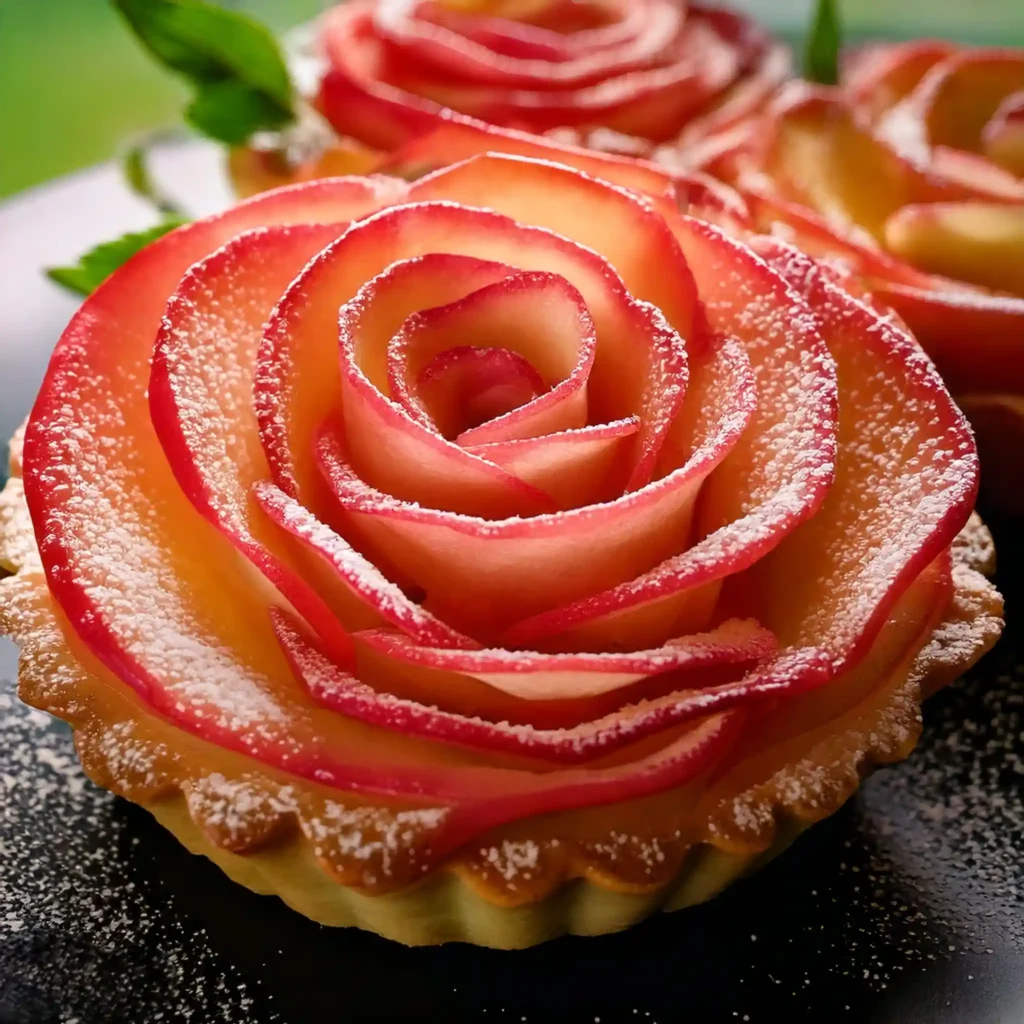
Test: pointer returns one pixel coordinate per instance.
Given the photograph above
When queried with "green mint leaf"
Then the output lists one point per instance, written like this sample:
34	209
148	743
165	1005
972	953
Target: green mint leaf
821	56
228	111
134	165
233	62
96	265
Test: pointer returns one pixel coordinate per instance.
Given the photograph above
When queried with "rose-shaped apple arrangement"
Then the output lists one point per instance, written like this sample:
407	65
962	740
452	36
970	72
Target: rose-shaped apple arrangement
912	177
486	532
641	72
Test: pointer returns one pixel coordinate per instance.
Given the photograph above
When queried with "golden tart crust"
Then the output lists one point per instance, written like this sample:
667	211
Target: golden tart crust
344	860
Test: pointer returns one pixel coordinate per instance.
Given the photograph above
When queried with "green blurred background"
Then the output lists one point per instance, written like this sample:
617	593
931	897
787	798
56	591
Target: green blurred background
74	85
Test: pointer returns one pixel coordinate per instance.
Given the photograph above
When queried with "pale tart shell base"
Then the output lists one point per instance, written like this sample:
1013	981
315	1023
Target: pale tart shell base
443	908
449	904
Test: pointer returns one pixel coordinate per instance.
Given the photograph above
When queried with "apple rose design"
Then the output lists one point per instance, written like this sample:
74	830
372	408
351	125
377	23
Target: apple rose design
415	549
625	74
912	177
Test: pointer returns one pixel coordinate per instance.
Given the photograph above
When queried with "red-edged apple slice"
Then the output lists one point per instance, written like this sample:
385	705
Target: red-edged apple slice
200	391
336	689
539	318
775	478
619	224
298	387
457	138
553	31
431	673
707	198
378	115
632	235
352	98
939	311
943	316
576	467
823	240
958	97
482	798
974	176
906	480
365	598
482	576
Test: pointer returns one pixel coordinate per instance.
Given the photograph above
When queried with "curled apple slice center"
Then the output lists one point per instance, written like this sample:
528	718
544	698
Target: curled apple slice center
462	388
524	344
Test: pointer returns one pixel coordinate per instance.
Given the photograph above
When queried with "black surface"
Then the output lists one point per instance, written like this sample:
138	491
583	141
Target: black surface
905	908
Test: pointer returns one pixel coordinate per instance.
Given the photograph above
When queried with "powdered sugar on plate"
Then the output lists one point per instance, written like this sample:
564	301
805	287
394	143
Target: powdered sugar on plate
80	935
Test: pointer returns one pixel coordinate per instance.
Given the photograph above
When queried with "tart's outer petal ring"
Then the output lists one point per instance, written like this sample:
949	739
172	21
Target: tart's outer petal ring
273	834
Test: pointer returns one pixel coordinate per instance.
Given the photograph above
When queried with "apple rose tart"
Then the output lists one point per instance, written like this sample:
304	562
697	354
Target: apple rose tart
911	176
619	75
499	555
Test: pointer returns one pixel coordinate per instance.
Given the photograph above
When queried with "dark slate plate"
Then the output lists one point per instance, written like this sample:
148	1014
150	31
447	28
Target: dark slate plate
906	907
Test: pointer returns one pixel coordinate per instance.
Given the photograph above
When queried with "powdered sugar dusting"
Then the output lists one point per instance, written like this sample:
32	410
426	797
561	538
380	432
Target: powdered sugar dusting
377	841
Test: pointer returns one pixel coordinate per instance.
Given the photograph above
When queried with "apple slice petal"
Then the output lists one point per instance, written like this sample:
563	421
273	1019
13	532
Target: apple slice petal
905	515
576	467
1003	136
356	103
456	138
982	243
776	477
361	595
819	152
334	688
652	103
200	392
481	576
633	236
940	312
557	32
944	316
538	317
825	241
958	97
878	77
621	225
537	678
404	259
